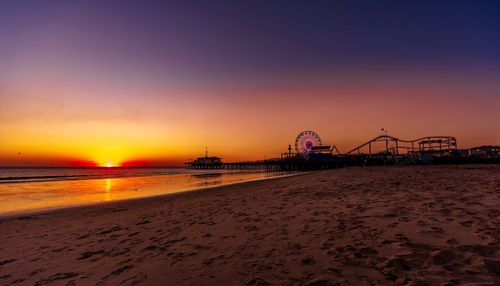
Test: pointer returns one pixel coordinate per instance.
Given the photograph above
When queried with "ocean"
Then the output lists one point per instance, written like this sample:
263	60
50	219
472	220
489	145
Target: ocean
33	189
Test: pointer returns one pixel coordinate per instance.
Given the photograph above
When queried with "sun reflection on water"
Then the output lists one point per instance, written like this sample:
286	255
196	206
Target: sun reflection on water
39	195
108	190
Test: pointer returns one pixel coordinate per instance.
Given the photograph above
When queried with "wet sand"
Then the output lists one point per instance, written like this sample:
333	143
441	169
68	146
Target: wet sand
415	225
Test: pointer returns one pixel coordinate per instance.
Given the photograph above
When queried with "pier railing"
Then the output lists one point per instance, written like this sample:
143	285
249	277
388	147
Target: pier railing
275	165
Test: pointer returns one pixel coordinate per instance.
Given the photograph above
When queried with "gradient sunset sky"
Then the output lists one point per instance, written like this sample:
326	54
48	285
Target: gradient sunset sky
154	82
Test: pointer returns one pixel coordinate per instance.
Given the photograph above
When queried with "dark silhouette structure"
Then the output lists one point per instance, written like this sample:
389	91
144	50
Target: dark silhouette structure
396	146
311	154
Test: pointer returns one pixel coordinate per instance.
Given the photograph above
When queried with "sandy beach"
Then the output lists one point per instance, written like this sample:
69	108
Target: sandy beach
412	225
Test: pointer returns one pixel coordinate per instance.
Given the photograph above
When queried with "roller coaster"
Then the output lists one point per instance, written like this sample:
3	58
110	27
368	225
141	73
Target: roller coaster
396	146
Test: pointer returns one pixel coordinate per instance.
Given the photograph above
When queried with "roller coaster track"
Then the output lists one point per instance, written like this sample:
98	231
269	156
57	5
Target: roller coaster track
429	143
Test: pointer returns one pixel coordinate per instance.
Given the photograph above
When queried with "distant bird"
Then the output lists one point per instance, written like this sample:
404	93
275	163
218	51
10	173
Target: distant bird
19	153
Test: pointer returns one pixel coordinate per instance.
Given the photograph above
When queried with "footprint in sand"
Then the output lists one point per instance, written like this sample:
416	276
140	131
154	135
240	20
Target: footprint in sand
89	254
493	265
308	260
251	228
134	280
56	277
467	223
323	281
442	257
392	225
3	262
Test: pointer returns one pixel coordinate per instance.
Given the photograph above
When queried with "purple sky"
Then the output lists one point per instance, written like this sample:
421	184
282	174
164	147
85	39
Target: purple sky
183	74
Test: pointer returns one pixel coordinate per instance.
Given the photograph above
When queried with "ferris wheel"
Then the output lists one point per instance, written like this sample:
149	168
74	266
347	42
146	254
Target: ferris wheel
306	140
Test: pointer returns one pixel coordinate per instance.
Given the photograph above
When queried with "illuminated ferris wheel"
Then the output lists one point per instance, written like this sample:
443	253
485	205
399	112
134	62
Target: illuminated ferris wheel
306	140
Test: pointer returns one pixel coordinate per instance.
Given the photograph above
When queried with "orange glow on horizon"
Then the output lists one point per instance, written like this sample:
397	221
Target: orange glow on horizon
260	122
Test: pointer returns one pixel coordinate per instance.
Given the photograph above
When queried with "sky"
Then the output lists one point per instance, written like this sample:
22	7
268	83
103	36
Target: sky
152	83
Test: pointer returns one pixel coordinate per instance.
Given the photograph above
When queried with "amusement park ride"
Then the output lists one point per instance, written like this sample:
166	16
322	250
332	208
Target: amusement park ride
308	143
396	146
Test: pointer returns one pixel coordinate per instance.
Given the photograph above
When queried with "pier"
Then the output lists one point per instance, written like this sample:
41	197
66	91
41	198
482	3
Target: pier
274	165
311	154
